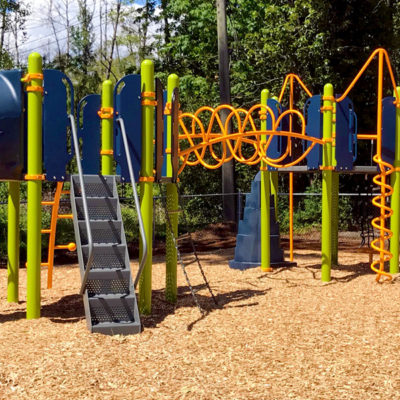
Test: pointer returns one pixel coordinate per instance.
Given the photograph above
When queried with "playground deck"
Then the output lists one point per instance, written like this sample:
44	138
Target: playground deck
283	335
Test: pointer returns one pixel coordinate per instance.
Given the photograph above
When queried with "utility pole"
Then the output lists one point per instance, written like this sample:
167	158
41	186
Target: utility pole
228	169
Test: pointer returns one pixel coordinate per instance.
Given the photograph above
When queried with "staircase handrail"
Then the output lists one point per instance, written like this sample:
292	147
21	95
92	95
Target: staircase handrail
84	202
137	203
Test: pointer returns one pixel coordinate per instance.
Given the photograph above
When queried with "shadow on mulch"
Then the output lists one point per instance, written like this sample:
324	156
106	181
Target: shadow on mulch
67	310
162	308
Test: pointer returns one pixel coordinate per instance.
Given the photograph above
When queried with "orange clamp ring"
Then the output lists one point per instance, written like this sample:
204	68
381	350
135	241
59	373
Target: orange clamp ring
35	177
146	102
149	94
107	152
328	140
396	169
32	75
146	179
263	168
34	89
167	151
106	112
168	108
326	108
326	168
329	98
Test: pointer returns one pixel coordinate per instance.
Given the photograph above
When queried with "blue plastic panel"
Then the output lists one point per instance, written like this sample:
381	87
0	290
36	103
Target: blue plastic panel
127	104
12	140
346	135
57	152
313	117
278	143
89	130
388	129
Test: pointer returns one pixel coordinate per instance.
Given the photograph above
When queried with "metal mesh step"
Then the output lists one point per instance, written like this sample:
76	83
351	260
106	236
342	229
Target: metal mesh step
106	256
116	310
95	186
102	232
108	283
99	208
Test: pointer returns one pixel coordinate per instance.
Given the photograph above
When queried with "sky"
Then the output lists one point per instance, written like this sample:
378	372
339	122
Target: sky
40	35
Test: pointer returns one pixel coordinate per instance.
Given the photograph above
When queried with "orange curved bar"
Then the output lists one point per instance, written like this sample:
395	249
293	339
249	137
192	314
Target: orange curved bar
285	82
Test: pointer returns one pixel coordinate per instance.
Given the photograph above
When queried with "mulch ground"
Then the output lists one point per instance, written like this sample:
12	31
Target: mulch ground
279	335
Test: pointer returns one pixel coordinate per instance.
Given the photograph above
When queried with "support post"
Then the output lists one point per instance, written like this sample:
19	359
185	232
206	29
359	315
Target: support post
172	207
107	129
13	242
326	234
34	171
265	241
146	182
335	194
395	200
228	168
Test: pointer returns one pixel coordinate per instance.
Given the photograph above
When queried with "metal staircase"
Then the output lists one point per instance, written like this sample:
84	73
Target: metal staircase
109	294
107	288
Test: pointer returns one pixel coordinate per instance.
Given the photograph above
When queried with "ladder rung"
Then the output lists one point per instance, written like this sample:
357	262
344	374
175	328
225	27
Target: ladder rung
65	192
65	216
47	203
45	231
187	263
44	264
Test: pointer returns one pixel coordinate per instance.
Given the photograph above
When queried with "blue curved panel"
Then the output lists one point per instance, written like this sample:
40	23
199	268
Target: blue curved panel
127	105
89	130
57	152
345	134
313	117
388	129
12	140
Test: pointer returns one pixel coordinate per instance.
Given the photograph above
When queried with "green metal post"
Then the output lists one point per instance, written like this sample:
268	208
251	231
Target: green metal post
34	172
172	206
326	234
146	184
107	128
335	195
265	200
13	241
395	200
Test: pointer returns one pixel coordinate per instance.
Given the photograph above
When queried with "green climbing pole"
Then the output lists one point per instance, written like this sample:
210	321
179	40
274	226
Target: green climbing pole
146	181
172	207
326	234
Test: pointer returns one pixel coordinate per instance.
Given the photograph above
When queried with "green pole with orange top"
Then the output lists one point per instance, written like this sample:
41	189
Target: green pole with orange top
34	177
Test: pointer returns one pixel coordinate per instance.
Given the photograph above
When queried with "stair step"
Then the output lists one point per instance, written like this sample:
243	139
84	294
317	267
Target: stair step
95	185
102	232
99	208
108	282
113	309
107	328
106	256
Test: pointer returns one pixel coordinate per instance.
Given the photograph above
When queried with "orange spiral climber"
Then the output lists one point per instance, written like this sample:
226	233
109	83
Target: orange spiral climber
378	223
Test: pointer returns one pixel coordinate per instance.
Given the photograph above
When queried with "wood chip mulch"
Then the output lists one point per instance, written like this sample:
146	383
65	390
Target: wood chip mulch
279	335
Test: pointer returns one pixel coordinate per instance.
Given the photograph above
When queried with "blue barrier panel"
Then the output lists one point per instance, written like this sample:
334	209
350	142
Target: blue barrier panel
388	129
278	143
89	130
57	148
128	106
12	138
346	135
313	117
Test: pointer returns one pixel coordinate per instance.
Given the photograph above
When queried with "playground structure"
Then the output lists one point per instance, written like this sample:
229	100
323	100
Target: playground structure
121	126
